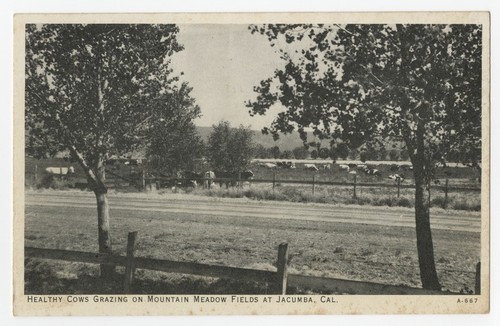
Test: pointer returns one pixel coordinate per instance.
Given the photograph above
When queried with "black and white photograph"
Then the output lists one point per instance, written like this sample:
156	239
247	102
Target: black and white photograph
276	164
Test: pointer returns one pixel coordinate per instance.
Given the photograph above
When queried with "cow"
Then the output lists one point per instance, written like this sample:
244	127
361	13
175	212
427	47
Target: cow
361	167
406	167
397	177
344	167
326	166
375	172
310	167
285	165
268	165
394	168
233	177
190	179
208	175
60	170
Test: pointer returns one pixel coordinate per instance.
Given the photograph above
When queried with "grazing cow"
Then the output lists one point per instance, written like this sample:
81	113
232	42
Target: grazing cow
285	165
375	172
394	168
233	177
397	177
344	167
209	175
268	165
361	167
310	167
353	172
60	170
326	167
190	179
406	167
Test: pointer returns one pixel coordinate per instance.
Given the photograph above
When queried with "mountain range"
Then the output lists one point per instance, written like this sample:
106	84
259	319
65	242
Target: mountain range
285	142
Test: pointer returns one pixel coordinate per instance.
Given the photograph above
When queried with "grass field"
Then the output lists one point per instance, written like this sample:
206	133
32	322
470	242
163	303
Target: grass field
458	177
351	251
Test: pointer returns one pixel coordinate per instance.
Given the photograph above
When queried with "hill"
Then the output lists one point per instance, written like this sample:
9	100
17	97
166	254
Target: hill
286	142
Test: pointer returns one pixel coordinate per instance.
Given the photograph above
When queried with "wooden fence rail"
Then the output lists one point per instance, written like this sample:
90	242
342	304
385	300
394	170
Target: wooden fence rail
278	280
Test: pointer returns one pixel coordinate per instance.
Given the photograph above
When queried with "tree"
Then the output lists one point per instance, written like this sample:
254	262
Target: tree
324	153
342	150
275	152
230	149
259	151
394	154
418	83
287	154
90	89
300	152
172	141
314	154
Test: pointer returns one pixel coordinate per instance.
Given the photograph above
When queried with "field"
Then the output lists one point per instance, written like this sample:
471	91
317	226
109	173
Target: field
458	176
357	251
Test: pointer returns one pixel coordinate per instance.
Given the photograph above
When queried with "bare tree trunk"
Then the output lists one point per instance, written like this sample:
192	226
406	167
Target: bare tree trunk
104	238
425	247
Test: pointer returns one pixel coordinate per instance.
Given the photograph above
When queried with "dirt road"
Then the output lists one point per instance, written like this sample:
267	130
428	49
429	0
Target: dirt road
386	216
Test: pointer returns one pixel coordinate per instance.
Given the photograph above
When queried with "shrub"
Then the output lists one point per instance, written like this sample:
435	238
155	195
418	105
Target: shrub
438	201
404	202
53	182
467	205
358	201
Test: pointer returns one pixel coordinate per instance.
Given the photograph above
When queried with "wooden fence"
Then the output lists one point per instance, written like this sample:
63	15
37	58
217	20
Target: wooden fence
279	280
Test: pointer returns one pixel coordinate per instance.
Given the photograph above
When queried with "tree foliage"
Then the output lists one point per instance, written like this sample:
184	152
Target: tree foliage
230	149
364	83
91	88
94	89
359	82
300	152
172	140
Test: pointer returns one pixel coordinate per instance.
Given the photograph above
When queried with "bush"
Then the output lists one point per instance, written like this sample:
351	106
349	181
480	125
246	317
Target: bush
385	201
467	205
438	201
358	201
54	182
404	202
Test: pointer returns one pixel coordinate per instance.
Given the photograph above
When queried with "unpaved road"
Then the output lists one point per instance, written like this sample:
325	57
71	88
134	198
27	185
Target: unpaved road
386	216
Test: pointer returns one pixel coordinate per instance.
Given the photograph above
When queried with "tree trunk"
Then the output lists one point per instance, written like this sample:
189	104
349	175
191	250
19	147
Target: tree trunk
425	247
104	238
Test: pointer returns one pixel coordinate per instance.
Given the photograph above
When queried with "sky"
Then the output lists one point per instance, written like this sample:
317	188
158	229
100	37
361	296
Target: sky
223	63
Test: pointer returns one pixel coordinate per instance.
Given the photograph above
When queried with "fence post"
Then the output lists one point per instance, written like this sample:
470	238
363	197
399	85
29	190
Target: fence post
282	272
129	265
60	173
314	183
239	179
354	193
143	180
399	185
36	172
446	193
477	287
274	180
